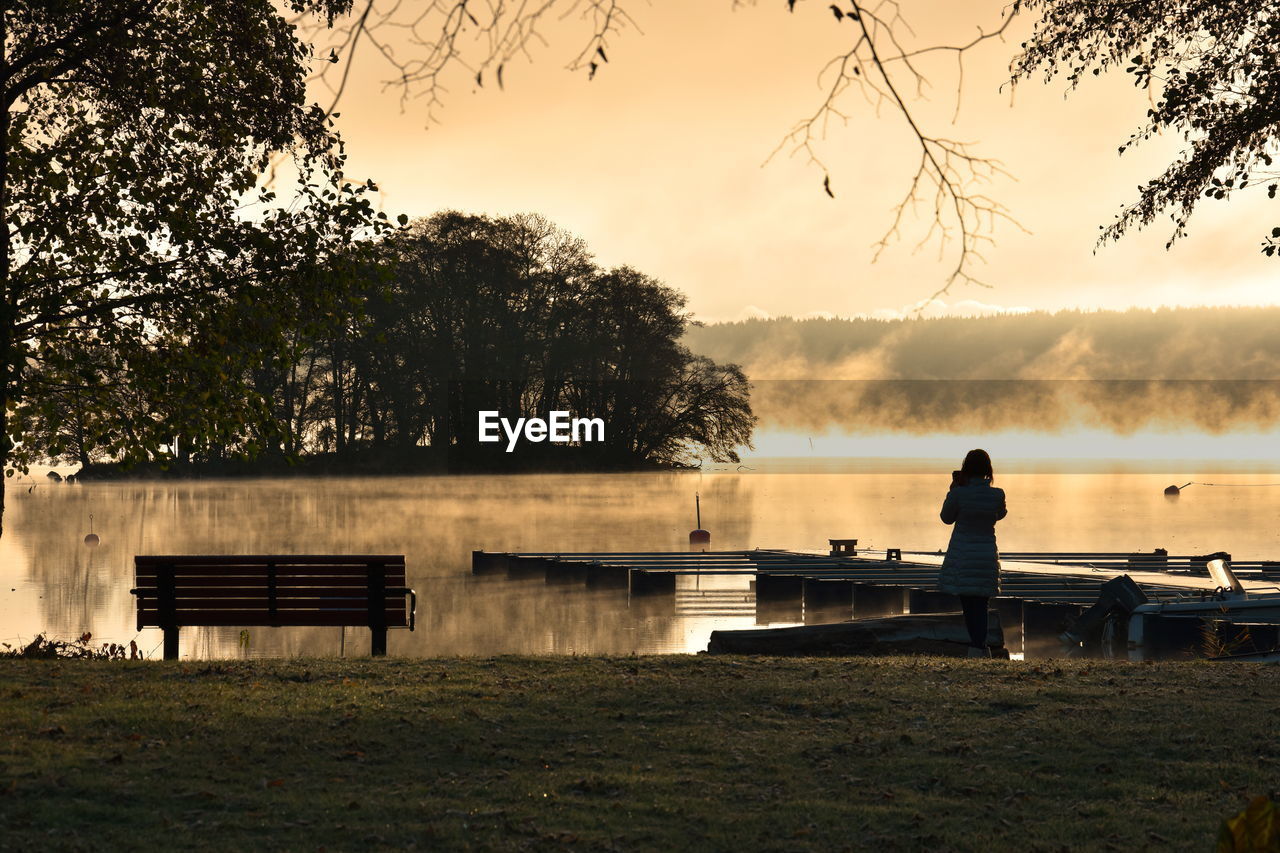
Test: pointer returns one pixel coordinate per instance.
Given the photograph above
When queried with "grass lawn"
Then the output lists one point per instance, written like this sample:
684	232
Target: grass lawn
631	753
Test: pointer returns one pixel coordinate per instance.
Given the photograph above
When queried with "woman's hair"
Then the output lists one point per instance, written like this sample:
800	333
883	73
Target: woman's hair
977	464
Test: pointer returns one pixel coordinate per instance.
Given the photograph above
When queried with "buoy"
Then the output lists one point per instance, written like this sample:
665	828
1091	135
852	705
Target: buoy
699	540
1174	491
92	539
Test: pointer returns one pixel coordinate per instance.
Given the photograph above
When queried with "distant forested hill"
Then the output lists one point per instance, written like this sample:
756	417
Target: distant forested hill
1176	343
1208	369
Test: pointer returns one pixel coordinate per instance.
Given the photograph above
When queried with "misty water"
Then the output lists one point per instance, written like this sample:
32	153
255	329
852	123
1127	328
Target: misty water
51	582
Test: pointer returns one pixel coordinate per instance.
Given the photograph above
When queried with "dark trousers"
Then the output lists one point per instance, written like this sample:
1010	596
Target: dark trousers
975	618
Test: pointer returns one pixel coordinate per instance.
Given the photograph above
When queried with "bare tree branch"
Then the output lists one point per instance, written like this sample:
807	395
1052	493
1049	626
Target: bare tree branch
420	42
946	187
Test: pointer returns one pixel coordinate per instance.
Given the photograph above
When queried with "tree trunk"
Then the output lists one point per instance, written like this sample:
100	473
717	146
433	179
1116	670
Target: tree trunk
8	371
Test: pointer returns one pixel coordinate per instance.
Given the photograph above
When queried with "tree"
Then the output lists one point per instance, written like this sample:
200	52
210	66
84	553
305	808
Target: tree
132	137
511	314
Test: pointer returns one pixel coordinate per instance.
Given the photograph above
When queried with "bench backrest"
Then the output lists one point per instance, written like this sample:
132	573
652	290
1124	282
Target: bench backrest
271	590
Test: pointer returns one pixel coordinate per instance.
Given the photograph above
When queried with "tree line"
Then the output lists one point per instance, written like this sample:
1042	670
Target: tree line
1211	370
449	317
1205	343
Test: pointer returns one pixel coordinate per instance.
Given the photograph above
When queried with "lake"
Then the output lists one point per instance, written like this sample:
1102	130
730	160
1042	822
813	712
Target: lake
51	582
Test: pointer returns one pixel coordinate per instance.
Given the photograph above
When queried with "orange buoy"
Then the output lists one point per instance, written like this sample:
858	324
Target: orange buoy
699	540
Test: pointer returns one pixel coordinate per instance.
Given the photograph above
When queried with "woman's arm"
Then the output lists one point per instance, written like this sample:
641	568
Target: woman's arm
1003	511
950	508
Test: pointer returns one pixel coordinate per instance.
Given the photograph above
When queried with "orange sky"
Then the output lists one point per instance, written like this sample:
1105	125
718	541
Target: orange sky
657	164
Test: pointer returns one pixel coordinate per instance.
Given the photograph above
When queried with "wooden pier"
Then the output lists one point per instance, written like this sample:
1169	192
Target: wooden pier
1041	593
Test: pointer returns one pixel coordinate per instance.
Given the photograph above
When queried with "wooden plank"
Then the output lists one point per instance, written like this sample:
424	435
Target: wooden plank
247	610
396	606
287	583
282	570
262	559
354	582
353	591
286	619
260	602
149	601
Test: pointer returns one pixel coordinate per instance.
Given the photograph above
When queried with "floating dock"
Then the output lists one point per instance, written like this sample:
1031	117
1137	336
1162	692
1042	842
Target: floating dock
1042	593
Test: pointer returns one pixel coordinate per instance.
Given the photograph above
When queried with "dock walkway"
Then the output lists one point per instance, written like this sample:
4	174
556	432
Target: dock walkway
1041	593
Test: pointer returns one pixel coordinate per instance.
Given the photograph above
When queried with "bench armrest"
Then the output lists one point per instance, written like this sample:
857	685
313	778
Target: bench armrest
413	601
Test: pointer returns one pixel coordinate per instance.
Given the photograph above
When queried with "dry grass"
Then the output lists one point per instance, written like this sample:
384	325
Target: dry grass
631	753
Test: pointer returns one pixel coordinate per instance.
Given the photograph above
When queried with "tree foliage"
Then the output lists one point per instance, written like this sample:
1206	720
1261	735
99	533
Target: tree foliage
1213	69
511	314
141	248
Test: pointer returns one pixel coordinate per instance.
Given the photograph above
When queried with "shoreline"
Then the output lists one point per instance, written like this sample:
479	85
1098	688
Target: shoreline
419	462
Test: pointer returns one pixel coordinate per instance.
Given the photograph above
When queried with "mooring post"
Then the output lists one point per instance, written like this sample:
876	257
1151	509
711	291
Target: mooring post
527	568
844	547
931	601
561	572
779	598
644	582
606	576
1137	637
1042	622
651	593
1010	610
827	600
878	600
486	563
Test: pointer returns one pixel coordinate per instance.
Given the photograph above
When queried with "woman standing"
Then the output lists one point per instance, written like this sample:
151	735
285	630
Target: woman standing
971	568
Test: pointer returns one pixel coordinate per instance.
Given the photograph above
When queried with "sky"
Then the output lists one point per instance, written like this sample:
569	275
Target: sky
659	163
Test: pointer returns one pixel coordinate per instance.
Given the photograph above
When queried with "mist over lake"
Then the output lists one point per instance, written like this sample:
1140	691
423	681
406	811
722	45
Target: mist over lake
51	581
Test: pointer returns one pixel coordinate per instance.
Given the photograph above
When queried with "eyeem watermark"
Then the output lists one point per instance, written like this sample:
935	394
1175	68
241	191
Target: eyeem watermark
558	428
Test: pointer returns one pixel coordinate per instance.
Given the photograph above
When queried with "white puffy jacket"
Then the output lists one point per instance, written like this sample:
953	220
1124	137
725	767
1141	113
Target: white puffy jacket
972	564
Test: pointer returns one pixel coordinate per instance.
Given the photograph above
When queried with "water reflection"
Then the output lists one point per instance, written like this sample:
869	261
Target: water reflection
51	582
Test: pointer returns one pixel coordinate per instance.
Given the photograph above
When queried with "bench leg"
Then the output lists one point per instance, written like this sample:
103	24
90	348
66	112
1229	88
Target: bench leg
379	642
170	643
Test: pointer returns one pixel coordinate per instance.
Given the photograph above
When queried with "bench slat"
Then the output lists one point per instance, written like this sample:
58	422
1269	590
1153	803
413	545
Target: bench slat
256	602
262	559
262	619
261	571
260	580
283	593
395	609
215	586
283	584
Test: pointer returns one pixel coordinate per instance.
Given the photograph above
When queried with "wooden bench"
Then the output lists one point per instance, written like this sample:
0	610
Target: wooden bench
368	590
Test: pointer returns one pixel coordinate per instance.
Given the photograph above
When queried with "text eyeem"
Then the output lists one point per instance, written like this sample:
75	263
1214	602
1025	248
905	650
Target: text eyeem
558	428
